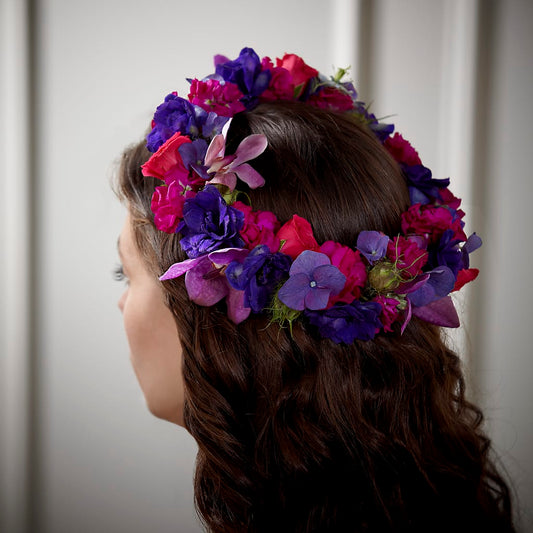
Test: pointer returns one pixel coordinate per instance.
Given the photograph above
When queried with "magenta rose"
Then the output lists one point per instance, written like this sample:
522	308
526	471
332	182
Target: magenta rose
221	98
260	227
281	86
349	262
389	311
407	256
402	151
331	98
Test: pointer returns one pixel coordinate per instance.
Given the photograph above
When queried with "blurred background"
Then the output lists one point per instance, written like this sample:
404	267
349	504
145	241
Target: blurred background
80	81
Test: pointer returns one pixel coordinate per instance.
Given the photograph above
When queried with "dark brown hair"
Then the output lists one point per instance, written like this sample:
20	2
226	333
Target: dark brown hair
296	433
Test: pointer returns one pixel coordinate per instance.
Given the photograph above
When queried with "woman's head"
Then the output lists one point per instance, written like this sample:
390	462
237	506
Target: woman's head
298	431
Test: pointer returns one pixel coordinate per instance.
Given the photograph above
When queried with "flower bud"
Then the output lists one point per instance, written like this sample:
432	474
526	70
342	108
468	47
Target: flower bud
383	277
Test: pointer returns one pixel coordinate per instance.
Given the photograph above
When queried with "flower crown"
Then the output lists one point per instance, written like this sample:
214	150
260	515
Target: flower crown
262	266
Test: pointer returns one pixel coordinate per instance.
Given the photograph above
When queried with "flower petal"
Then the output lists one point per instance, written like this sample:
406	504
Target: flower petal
215	150
249	175
329	277
229	179
307	261
205	286
440	312
178	269
236	310
317	298
293	291
249	148
225	256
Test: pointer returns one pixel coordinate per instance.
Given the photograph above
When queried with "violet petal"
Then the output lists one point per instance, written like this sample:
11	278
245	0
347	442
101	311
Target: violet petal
249	148
178	269
205	286
317	298
249	175
440	312
236	310
329	277
294	290
307	261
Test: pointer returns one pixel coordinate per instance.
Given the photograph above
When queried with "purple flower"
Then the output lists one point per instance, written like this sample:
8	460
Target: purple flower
177	114
258	276
471	245
312	280
439	284
209	224
246	73
193	155
373	245
345	323
423	189
446	253
206	283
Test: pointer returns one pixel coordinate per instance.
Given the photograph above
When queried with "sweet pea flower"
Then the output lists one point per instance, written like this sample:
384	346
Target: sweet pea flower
209	224
439	284
312	280
389	311
407	256
226	168
401	150
207	284
246	73
281	85
222	98
423	189
331	97
349	262
166	163
260	227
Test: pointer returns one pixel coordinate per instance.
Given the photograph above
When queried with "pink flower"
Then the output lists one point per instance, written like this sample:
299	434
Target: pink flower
331	98
301	72
402	151
281	86
228	167
407	256
389	311
166	164
260	227
221	98
298	236
167	206
349	262
428	220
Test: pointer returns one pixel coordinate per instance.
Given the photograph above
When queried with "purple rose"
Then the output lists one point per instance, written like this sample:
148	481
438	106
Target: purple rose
246	73
345	323
258	276
209	224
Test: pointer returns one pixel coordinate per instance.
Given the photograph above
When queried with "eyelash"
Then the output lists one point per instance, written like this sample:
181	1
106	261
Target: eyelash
118	273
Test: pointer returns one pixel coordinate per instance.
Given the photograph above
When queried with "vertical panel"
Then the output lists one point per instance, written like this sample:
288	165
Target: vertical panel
14	268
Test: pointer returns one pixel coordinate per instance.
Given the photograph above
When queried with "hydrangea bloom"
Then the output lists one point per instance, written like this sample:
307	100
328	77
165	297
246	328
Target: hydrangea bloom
312	280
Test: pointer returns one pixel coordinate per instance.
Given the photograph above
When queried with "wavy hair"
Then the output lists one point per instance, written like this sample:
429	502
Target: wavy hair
296	433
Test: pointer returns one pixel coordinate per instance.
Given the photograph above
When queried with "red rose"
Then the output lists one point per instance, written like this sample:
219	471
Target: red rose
402	151
349	262
298	236
167	159
260	227
300	71
331	98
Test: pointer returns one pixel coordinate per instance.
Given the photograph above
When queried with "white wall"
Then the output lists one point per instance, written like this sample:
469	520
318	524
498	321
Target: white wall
456	73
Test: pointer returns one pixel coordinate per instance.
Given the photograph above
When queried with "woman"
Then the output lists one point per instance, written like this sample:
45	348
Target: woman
306	258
